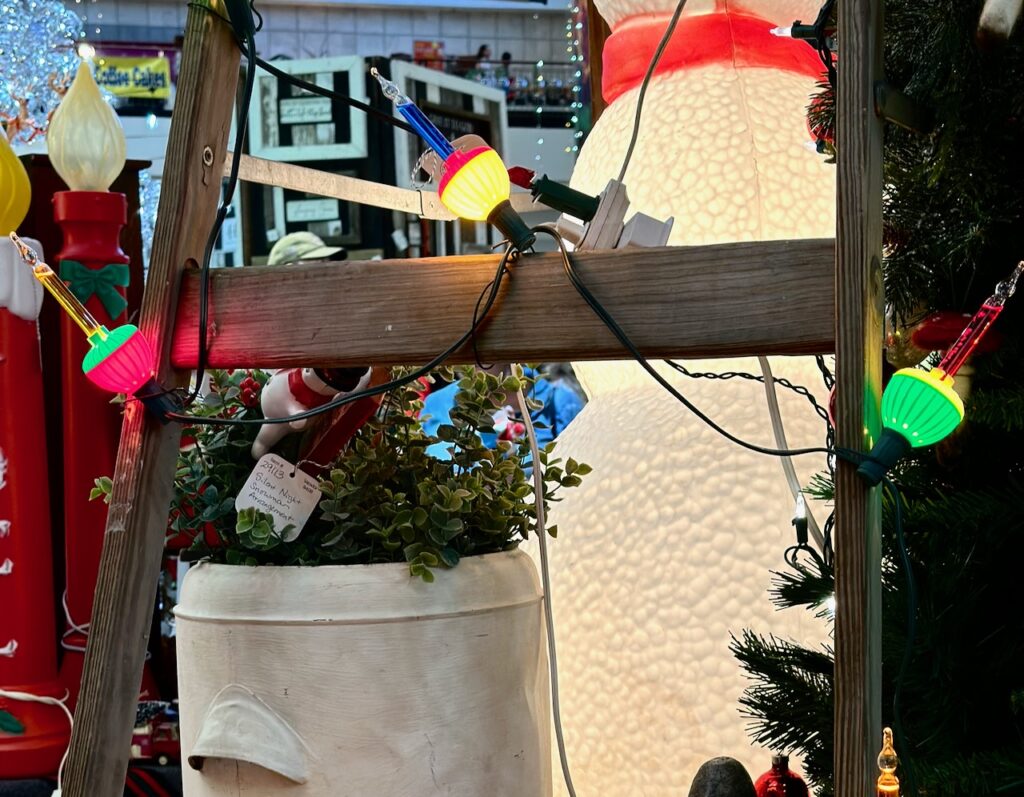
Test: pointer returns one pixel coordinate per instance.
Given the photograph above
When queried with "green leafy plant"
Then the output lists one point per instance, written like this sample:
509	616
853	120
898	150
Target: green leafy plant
395	494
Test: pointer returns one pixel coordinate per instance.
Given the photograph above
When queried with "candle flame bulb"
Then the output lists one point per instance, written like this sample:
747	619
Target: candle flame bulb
1006	288
426	129
389	89
888	784
55	285
85	140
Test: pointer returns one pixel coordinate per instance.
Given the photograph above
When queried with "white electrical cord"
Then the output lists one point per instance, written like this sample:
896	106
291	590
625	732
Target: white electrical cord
26	697
72	629
538	490
780	442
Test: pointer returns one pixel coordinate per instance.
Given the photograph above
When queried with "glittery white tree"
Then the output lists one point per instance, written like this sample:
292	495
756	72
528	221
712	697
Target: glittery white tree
37	59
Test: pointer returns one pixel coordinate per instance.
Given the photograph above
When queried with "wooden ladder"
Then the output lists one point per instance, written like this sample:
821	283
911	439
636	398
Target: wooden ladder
675	302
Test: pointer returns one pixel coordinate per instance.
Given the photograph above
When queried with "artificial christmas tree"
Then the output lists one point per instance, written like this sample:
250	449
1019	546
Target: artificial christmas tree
953	667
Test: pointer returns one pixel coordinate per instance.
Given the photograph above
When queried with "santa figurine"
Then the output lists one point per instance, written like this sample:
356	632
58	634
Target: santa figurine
296	390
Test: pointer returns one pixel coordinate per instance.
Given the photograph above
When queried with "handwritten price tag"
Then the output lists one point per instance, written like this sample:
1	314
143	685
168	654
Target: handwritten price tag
278	488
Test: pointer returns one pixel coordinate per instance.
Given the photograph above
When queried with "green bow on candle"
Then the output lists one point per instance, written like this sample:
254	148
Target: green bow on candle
102	282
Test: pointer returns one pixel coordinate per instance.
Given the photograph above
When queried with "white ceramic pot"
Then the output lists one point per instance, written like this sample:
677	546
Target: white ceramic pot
360	681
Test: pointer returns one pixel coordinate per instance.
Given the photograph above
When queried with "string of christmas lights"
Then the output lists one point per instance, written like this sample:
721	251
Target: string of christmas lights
573	28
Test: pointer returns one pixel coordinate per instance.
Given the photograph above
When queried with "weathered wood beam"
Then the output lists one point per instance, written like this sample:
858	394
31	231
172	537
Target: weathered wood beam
352	189
144	475
597	33
859	307
768	297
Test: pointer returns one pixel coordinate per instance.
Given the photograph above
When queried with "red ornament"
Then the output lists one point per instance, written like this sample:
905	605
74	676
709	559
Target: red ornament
780	781
940	330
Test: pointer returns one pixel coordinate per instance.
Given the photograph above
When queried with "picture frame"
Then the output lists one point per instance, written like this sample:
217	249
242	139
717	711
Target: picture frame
288	123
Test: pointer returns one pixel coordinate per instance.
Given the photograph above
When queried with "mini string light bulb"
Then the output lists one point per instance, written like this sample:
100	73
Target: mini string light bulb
920	408
887	785
475	184
119	360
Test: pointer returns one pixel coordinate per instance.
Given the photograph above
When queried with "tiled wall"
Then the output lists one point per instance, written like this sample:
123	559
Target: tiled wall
310	31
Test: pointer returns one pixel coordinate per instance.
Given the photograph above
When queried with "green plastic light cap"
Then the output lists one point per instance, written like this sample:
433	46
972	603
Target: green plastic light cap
101	349
921	406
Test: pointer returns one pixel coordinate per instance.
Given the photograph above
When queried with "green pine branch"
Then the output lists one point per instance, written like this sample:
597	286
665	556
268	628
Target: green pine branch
991	773
789	701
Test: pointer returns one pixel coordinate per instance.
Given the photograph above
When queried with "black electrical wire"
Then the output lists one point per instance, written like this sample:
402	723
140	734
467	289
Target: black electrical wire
259	16
848	455
602	313
800	390
491	291
222	212
643	86
792	554
247	45
313	88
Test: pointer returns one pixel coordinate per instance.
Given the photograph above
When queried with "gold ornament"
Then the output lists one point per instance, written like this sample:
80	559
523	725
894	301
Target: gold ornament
900	351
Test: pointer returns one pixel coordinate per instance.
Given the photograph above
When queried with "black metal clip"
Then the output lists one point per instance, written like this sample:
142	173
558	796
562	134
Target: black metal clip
894	106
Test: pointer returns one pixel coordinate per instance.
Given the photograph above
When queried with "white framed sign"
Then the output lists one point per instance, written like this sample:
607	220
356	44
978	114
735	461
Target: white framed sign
336	222
288	123
298	210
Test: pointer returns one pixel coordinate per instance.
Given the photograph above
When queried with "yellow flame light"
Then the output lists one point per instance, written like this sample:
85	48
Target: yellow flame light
85	140
15	190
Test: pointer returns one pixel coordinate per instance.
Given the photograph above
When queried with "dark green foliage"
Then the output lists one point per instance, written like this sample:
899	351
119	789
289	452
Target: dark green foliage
388	500
953	226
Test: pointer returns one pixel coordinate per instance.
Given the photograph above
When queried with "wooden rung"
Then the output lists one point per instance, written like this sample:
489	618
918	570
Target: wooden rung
767	297
352	189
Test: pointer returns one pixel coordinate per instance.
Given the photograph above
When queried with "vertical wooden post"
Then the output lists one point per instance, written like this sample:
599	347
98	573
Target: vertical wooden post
144	475
597	32
859	307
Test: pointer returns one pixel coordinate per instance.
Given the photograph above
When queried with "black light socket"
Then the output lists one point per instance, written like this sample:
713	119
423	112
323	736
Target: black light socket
158	400
568	200
512	226
890	449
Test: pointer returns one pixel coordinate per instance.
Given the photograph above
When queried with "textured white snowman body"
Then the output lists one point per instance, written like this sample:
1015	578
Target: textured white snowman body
668	547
